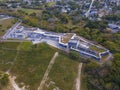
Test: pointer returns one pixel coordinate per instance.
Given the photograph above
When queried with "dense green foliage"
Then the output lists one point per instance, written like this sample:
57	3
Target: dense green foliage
4	81
74	55
105	77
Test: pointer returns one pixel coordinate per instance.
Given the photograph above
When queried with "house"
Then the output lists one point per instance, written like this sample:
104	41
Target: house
114	27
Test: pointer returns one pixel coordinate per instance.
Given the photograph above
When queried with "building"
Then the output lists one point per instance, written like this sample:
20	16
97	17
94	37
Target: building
63	41
73	43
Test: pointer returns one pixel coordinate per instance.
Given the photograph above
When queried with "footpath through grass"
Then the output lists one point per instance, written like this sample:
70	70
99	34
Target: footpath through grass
63	74
31	65
30	11
83	80
7	55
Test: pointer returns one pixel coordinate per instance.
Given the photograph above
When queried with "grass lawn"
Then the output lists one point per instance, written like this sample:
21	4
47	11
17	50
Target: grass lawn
6	24
10	45
83	80
94	48
25	46
31	65
50	4
30	11
31	62
63	73
7	55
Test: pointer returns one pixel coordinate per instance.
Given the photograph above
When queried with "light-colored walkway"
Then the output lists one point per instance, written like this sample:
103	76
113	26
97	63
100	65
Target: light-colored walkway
12	79
109	57
12	82
87	13
78	80
47	71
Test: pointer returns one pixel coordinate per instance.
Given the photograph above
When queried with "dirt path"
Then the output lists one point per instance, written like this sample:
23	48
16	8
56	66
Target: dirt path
18	51
12	79
78	83
109	57
12	82
47	71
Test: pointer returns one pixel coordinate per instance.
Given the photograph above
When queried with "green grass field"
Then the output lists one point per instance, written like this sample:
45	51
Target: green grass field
50	4
30	11
94	48
83	80
6	24
63	73
7	55
31	64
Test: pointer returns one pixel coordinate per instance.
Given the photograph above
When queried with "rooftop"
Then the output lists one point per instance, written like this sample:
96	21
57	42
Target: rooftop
66	37
73	40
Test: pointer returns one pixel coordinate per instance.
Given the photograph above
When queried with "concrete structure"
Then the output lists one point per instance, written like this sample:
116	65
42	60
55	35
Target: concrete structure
63	41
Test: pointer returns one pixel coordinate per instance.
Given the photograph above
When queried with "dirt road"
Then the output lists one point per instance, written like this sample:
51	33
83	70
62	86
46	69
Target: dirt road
47	71
78	83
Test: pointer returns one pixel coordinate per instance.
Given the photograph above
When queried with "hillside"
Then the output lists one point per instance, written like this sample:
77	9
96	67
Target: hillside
28	64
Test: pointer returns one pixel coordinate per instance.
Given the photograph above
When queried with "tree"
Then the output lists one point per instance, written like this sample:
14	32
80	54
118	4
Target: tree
64	18
74	55
3	79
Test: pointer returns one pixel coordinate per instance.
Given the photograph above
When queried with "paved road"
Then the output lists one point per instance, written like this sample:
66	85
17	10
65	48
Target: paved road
78	80
47	71
87	13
